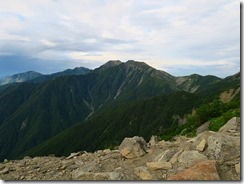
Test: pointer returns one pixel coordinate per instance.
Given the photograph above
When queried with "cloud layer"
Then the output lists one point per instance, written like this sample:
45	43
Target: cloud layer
180	36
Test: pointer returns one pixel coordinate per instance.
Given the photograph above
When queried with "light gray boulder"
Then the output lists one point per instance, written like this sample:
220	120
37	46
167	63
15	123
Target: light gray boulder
133	147
223	147
232	126
190	157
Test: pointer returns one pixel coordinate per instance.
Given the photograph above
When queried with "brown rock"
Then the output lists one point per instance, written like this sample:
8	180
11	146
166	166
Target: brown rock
4	171
205	170
153	141
174	159
237	168
143	173
106	151
201	145
159	165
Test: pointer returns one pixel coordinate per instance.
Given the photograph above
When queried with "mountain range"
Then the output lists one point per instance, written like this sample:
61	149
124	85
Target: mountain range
84	109
32	76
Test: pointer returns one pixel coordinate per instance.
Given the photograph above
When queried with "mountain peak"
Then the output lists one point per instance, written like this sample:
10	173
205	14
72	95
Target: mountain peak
20	77
136	62
112	63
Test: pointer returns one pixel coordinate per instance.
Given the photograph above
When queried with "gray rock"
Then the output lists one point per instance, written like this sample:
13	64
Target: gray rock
223	147
133	147
174	159
153	141
72	155
27	157
66	164
232	126
165	155
190	157
204	135
81	175
203	128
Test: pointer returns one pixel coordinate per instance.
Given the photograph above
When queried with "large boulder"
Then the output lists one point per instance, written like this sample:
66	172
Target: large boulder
232	126
133	147
223	147
198	139
190	157
205	170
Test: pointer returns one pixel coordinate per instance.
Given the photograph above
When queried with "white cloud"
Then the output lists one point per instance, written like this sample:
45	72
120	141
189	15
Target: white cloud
48	43
185	32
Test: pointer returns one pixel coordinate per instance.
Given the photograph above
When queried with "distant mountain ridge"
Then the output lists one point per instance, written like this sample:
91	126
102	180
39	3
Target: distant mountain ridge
32	76
33	112
20	77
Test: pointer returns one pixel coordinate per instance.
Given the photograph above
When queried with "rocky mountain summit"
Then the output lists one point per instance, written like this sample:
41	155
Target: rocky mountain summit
208	156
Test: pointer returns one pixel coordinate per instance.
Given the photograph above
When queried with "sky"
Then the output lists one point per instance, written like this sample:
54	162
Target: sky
180	37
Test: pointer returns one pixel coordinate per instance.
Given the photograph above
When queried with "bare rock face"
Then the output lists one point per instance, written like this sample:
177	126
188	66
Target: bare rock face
223	147
204	135
174	158
153	141
159	165
133	147
166	155
232	126
143	173
190	157
80	175
238	168
201	145
205	170
203	128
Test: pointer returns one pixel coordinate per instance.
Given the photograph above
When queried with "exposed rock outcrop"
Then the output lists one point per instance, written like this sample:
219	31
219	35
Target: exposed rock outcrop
205	170
208	156
133	147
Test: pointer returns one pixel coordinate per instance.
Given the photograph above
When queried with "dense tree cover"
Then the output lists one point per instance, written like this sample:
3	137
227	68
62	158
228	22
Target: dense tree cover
216	112
142	118
32	113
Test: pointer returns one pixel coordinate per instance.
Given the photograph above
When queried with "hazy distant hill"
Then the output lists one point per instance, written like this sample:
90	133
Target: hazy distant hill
20	77
32	76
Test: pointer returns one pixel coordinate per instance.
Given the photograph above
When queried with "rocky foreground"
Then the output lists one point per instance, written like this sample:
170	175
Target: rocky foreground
208	156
